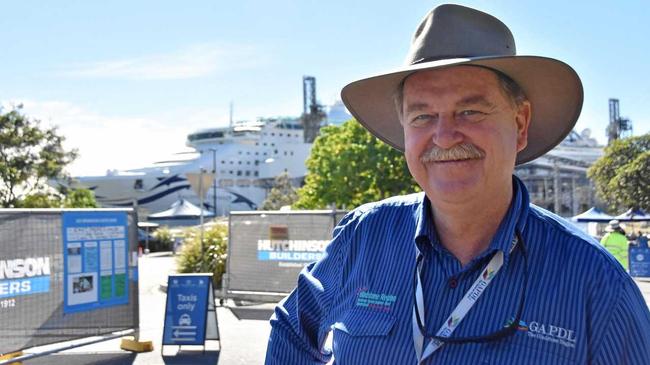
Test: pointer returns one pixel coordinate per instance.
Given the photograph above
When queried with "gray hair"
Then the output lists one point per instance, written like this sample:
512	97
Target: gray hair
509	87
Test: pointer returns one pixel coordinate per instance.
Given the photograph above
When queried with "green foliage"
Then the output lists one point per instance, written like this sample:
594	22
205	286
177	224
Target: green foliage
77	198
39	200
162	240
281	194
348	166
80	198
208	257
621	175
29	155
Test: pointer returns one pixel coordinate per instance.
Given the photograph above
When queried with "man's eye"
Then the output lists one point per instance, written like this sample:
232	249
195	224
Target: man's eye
421	119
472	115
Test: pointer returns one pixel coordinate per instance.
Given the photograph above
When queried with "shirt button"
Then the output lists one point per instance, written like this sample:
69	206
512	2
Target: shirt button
453	283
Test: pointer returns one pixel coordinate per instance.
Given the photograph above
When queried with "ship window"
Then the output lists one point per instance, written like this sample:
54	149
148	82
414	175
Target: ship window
238	172
240	152
257	162
257	143
281	134
230	172
248	152
238	162
273	134
285	153
265	143
256	174
291	153
265	153
272	144
248	162
257	153
275	151
223	162
248	173
137	185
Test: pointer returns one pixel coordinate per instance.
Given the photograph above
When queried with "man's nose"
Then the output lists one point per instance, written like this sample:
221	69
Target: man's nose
445	131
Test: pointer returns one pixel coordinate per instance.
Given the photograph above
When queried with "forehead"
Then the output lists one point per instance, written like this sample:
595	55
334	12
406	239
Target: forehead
451	80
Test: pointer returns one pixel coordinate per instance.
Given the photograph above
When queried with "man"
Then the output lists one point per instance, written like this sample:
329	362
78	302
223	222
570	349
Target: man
468	272
615	241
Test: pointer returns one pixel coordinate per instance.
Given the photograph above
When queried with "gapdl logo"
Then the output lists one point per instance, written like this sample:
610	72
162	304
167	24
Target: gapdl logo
522	326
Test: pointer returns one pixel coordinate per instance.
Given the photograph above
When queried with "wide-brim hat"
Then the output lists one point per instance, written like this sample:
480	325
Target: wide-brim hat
613	226
453	35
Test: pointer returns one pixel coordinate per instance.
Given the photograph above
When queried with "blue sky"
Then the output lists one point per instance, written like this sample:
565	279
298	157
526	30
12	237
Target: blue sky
126	81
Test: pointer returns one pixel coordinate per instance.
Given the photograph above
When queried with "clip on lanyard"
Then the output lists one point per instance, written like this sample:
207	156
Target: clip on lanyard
461	310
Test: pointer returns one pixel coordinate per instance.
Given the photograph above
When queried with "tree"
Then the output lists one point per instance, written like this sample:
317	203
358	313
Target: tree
621	174
282	193
69	198
348	166
39	200
80	198
29	155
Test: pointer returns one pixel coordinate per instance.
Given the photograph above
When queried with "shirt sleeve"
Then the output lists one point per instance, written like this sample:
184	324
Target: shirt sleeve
298	328
626	339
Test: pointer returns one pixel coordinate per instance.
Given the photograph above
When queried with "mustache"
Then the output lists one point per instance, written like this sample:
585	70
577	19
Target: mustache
462	151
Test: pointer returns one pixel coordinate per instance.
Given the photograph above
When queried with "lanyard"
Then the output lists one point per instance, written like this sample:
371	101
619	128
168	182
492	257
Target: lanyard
459	313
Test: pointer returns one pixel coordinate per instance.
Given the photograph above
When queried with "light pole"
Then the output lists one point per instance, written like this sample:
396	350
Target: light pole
214	187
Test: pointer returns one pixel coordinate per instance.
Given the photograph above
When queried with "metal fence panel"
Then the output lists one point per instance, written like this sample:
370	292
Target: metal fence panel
32	277
267	250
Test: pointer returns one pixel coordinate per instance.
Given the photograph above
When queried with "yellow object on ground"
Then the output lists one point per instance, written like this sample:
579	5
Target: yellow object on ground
130	344
616	244
12	355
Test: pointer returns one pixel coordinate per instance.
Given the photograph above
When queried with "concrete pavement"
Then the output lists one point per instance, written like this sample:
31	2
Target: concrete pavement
243	339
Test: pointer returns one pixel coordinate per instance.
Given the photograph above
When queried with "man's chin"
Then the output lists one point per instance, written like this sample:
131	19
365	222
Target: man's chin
453	190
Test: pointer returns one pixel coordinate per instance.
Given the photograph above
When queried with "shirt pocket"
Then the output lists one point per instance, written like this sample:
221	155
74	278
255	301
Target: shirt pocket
363	336
363	323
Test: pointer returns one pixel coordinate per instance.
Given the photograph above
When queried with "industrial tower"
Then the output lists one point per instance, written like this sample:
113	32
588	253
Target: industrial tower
312	112
618	127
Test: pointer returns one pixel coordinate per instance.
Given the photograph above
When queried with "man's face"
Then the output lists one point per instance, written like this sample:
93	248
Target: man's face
461	132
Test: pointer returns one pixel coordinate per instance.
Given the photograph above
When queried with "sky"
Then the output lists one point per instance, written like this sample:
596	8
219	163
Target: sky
126	81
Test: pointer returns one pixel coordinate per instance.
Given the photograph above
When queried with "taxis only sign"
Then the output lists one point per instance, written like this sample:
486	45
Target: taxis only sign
24	276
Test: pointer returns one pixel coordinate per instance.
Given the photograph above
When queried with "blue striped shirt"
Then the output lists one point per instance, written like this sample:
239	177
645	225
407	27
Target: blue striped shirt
580	307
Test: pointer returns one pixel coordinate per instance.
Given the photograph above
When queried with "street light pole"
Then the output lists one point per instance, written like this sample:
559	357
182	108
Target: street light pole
214	187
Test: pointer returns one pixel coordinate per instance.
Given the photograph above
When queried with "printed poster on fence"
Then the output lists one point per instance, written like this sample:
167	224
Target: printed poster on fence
95	253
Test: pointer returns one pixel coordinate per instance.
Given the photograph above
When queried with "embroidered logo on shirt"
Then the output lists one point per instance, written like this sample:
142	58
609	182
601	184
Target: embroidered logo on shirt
375	301
547	332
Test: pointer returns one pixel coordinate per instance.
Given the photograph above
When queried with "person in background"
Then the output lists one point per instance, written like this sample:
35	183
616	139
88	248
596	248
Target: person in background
615	242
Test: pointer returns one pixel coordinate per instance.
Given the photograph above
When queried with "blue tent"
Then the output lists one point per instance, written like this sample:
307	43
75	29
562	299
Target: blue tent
592	215
633	215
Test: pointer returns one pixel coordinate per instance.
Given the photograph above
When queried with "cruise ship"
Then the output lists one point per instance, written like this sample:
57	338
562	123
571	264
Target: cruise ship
245	157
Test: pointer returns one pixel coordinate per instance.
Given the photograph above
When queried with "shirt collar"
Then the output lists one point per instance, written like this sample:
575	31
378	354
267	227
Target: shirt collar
514	220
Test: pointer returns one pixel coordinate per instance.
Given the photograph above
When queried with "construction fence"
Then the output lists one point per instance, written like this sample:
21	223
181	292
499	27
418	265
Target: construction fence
267	250
66	274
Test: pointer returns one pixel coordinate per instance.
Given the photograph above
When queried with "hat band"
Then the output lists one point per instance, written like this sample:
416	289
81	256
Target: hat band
432	59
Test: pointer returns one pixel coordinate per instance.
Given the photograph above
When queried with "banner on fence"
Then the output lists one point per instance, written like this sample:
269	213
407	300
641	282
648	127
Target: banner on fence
66	274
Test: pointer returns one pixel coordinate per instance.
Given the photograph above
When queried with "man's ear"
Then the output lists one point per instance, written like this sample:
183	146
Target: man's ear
522	119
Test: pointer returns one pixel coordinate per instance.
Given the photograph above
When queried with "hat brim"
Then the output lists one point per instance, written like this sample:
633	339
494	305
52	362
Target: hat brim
552	87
